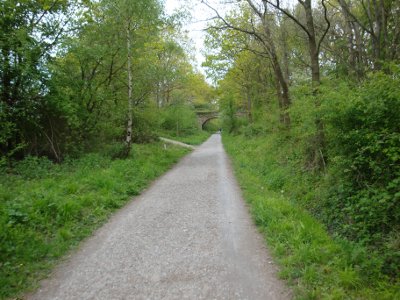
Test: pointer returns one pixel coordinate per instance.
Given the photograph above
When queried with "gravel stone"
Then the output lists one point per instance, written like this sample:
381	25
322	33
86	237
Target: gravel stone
188	236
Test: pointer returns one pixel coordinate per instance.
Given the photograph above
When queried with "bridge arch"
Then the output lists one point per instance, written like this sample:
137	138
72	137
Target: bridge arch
207	120
205	116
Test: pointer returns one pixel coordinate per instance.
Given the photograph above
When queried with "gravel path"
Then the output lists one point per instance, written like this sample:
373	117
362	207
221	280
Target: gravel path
188	236
177	143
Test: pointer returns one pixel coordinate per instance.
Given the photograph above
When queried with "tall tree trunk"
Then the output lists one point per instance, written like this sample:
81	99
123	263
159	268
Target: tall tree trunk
312	45
128	139
248	95
352	64
285	47
318	159
282	91
282	88
360	57
158	95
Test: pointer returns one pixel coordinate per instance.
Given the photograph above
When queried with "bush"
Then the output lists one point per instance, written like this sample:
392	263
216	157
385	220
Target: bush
46	208
144	126
357	195
212	126
253	129
179	118
33	167
364	129
316	264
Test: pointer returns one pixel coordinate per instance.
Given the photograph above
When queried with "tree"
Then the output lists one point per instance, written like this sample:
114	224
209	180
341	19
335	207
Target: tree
29	32
137	19
260	32
376	18
314	47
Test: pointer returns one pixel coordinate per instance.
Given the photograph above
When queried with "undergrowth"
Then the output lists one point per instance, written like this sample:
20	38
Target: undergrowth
46	209
317	264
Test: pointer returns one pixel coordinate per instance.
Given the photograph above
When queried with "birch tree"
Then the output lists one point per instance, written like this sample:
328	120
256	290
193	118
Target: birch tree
137	20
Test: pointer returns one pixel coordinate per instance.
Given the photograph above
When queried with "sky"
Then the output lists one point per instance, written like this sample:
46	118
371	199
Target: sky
200	14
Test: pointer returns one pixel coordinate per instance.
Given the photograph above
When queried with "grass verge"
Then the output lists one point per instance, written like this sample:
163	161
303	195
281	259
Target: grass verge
194	139
315	264
46	209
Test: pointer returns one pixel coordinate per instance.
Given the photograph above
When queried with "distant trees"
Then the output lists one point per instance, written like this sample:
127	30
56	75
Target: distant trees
257	25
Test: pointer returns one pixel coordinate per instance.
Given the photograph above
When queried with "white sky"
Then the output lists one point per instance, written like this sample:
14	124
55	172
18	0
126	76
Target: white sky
200	14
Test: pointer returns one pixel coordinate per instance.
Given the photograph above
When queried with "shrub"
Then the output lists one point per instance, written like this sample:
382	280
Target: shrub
363	186
180	119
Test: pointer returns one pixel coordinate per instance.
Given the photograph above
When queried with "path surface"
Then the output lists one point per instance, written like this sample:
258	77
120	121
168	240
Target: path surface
188	236
177	143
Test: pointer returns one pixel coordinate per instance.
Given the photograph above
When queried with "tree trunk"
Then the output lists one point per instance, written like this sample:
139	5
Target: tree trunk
282	92
318	147
361	59
282	88
128	139
352	64
285	51
312	45
158	95
248	95
267	40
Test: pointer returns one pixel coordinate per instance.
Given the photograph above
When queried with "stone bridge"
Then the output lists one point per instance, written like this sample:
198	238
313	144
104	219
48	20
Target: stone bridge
206	116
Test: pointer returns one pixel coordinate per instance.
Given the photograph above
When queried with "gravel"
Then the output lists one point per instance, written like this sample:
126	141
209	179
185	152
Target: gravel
188	236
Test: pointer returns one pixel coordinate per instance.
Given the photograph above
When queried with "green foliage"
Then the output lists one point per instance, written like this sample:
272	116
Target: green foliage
317	265
179	118
29	31
229	110
197	138
212	126
253	129
64	92
363	190
46	209
356	197
340	156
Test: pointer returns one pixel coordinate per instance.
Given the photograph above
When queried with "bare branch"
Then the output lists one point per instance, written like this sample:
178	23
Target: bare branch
328	25
233	27
288	14
345	6
256	11
367	11
35	23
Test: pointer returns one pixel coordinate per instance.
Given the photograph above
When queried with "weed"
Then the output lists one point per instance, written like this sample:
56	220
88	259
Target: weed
317	265
46	209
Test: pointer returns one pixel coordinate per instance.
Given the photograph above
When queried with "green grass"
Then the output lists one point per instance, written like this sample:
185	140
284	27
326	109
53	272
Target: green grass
46	209
315	264
194	139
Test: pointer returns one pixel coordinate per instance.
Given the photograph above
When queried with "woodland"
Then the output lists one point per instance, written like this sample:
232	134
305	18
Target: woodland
86	89
309	100
76	75
319	82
